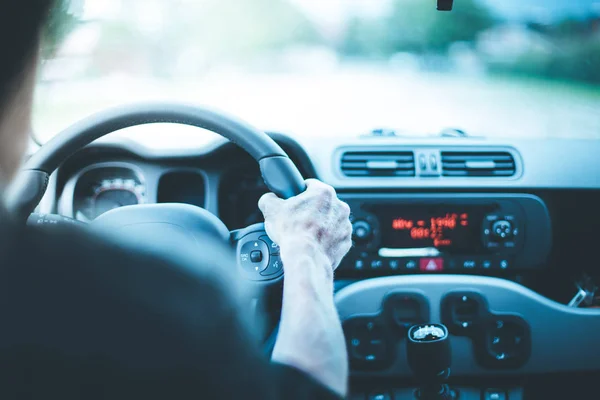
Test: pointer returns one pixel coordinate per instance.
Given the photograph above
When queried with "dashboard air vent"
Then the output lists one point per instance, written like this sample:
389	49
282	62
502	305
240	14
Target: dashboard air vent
378	163
478	163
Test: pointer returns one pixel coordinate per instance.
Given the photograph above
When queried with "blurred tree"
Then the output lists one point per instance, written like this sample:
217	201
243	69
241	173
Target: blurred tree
415	26
573	61
241	28
204	32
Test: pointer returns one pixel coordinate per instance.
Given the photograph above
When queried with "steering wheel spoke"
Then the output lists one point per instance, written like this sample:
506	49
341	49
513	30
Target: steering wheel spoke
257	256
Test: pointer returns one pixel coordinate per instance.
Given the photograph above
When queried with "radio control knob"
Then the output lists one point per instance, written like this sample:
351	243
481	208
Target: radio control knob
361	231
502	230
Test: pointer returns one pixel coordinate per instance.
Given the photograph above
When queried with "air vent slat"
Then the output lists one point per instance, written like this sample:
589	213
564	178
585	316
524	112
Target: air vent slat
351	165
478	164
377	157
378	164
469	157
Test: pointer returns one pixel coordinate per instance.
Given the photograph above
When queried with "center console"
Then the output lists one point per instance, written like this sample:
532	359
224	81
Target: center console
446	233
439	259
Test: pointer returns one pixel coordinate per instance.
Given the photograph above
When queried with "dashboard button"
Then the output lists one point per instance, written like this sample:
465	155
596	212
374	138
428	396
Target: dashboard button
493	394
366	342
502	229
394	265
422	162
359	265
406	309
452	263
361	231
433	164
379	396
431	264
376	265
273	247
275	266
248	256
462	312
504	264
507	341
411	265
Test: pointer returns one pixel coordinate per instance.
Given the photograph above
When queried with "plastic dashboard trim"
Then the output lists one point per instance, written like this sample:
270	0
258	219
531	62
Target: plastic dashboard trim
337	156
560	335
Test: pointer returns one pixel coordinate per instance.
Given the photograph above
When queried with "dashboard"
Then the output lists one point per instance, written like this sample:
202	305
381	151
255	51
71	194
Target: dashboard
487	236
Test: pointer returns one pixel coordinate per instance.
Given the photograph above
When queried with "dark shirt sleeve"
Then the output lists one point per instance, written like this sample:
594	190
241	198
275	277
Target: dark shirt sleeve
87	318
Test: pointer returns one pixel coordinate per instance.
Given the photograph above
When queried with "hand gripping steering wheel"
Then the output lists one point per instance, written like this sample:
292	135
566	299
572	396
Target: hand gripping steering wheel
257	256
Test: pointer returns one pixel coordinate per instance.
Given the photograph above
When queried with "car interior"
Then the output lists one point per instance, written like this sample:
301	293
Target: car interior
490	237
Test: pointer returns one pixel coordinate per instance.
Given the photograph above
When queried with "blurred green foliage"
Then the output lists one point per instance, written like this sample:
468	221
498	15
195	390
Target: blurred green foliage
414	26
209	32
575	60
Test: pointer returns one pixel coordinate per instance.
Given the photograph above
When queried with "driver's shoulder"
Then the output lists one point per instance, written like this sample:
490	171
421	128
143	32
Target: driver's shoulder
88	258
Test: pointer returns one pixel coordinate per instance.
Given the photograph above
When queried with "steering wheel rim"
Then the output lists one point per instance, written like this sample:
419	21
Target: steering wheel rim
278	172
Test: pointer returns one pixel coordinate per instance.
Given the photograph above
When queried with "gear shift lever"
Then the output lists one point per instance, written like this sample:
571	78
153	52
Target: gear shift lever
429	357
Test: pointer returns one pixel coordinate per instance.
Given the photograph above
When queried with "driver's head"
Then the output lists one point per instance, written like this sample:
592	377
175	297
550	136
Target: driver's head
21	25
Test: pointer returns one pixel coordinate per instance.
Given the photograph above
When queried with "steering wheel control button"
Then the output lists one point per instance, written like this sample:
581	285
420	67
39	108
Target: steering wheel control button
431	264
275	266
273	247
256	256
367	343
251	256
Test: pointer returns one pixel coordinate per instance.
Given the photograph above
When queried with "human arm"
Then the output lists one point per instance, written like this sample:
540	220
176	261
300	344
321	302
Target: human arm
314	232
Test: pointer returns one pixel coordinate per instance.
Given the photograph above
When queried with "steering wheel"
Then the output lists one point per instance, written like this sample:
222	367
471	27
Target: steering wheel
256	254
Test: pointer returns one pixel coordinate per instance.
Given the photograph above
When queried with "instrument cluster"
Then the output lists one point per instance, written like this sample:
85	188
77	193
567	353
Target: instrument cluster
102	188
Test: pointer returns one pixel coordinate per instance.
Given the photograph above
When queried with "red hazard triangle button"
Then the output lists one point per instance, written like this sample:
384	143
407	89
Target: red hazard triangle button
431	264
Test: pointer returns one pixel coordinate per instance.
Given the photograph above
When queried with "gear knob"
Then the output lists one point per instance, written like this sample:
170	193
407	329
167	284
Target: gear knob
429	357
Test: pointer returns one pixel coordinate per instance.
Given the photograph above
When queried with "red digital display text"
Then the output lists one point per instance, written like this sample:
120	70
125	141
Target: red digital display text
435	228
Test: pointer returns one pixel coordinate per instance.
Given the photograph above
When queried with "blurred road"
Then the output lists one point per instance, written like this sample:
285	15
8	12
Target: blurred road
348	101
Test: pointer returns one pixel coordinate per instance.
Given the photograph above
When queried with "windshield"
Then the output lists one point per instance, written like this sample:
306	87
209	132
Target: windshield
496	68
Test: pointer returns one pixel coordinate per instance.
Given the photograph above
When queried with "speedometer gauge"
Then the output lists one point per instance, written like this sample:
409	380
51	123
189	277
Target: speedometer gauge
116	193
105	189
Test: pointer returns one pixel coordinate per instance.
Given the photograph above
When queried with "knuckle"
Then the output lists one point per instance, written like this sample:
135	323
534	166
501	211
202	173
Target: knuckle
345	209
330	190
327	194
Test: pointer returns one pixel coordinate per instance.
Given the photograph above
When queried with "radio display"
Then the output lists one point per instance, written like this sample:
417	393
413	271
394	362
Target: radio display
446	228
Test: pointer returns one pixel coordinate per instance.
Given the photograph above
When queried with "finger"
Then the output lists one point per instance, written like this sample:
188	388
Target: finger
269	203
